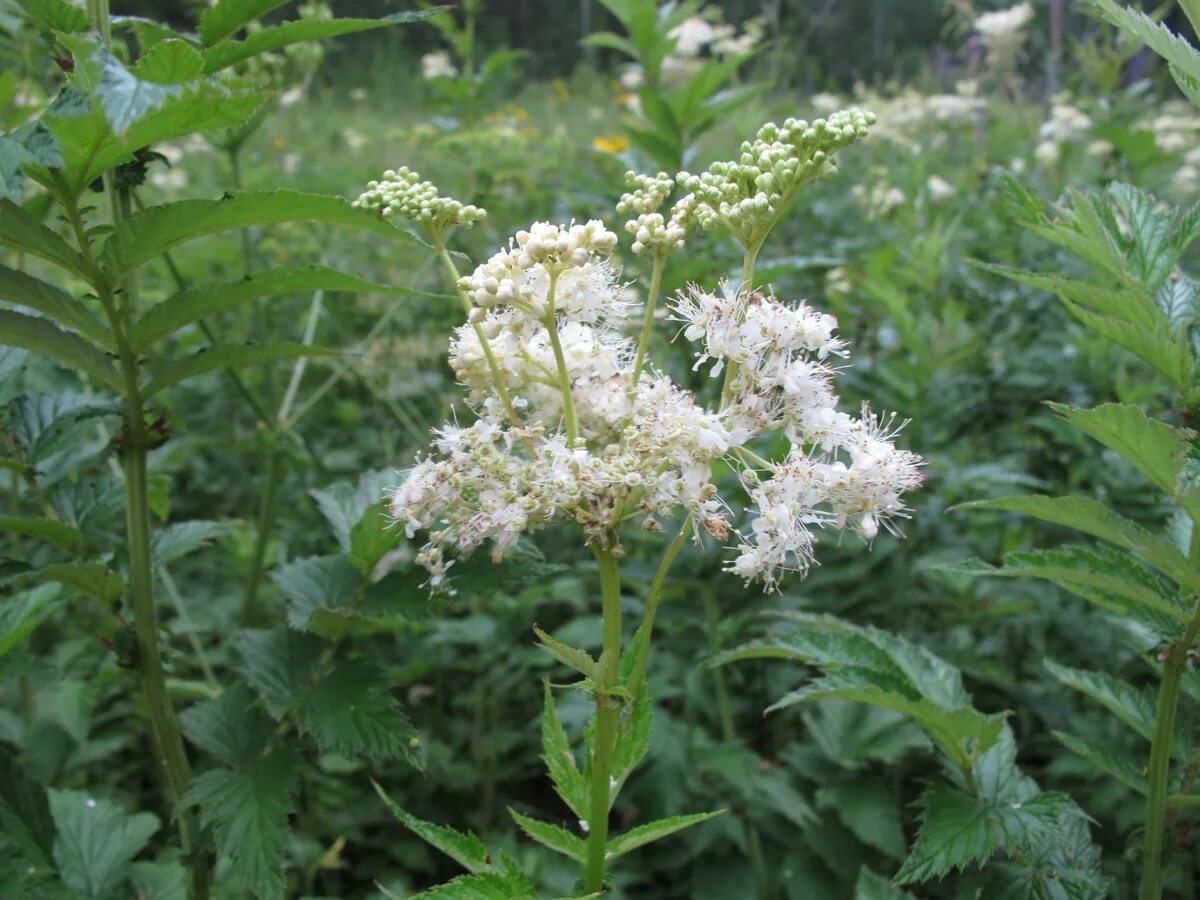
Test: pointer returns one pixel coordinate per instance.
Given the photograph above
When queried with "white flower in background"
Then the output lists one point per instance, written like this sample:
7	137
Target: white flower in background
170	180
632	78
290	163
437	65
880	199
355	139
939	189
569	430
291	96
1003	35
692	36
825	103
358	94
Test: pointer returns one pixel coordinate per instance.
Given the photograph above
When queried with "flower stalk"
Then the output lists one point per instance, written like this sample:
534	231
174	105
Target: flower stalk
608	714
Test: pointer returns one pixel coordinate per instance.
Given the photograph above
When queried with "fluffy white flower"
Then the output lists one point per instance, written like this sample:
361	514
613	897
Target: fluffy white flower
437	65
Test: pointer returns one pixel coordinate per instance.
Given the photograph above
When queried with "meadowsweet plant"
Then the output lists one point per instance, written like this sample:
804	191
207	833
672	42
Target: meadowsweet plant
573	425
76	239
1137	295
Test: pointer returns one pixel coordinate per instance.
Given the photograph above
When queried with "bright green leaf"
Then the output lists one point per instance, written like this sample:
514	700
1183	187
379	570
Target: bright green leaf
170	62
53	302
65	348
653	831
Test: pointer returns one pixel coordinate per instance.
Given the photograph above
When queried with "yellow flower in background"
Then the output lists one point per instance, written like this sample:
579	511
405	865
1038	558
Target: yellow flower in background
562	93
611	143
279	143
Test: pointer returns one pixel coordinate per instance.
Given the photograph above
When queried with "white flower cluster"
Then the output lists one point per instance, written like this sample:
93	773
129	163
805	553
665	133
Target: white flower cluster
1003	34
749	193
401	192
519	276
1065	125
569	432
651	232
437	65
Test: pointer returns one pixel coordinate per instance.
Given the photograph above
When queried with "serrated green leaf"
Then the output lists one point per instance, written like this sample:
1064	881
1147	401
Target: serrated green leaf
1094	518
1154	448
95	841
181	538
484	886
633	737
227	17
560	760
247	809
465	849
32	143
278	664
53	302
1132	303
350	711
65	348
92	579
1149	228
189	306
1116	581
1134	707
44	529
219	357
171	61
557	839
318	582
56	15
1105	759
123	96
373	537
22	232
25	813
152	231
653	831
579	660
230	727
875	887
227	53
159	880
89	146
1171	47
21	613
958	830
1169	355
866	808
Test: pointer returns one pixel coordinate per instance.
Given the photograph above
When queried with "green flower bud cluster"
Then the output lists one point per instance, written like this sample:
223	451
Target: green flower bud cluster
748	194
401	192
651	232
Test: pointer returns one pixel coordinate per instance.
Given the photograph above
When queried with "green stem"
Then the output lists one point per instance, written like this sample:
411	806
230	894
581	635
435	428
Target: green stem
712	616
168	739
1159	770
656	274
266	517
646	631
564	377
608	712
746	284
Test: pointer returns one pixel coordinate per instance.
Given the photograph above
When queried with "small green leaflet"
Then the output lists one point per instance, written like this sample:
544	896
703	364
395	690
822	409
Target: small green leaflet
95	841
653	831
465	849
557	839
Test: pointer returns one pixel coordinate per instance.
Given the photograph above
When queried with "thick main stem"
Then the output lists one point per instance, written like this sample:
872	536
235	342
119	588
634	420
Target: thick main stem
168	740
1159	771
608	713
